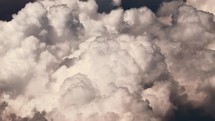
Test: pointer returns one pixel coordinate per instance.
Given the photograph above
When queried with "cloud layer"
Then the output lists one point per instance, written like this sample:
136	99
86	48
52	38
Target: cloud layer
61	60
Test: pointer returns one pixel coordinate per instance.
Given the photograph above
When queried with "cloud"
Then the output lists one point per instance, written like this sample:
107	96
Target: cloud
206	5
71	63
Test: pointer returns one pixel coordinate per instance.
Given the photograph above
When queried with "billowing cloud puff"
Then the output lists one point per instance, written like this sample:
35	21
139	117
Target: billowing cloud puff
205	5
63	61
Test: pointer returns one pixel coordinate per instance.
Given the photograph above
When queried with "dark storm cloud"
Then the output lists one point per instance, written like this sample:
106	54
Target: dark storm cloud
9	7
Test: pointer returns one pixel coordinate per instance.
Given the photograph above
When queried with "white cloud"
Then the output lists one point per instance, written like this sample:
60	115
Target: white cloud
63	57
205	5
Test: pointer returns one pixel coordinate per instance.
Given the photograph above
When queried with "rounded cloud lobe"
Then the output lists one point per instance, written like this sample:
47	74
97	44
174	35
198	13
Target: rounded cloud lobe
61	60
206	5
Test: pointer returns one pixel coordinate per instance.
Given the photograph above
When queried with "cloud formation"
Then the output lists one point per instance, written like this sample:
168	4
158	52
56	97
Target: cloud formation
206	5
61	60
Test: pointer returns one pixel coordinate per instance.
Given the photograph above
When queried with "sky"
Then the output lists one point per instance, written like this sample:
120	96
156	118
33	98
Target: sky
107	60
10	7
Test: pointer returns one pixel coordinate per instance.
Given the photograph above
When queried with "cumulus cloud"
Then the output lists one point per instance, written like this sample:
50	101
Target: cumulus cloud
61	60
206	5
